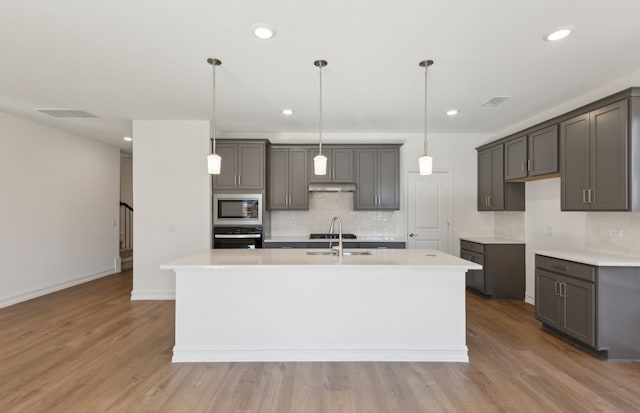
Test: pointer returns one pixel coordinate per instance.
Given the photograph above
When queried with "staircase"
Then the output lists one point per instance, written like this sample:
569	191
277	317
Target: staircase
126	236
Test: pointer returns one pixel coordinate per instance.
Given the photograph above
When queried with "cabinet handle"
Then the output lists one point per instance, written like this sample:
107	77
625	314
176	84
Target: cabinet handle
286	200
289	200
522	166
239	179
591	197
563	289
489	200
555	287
584	196
528	164
561	267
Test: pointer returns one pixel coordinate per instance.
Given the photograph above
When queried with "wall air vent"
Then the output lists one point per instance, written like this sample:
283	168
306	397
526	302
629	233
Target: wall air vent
67	113
495	101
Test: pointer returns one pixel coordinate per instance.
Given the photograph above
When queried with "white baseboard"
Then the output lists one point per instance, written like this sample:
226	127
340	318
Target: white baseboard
529	299
137	295
5	302
189	354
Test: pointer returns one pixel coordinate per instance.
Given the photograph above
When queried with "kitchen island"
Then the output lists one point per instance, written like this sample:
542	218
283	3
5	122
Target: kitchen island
287	305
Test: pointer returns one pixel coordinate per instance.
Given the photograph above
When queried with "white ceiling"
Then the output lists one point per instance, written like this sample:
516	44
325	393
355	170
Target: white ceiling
146	59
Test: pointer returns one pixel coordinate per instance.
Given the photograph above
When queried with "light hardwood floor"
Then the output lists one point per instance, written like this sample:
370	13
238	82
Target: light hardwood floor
90	349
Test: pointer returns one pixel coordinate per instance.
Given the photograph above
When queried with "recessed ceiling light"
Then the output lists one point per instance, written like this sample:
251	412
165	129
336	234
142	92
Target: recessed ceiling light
128	138
557	34
287	112
263	31
452	112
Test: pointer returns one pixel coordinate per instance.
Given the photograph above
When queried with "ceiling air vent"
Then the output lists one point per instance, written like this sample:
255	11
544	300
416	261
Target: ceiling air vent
67	113
495	101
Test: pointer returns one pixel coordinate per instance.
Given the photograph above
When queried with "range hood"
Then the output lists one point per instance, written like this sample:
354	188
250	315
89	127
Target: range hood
331	187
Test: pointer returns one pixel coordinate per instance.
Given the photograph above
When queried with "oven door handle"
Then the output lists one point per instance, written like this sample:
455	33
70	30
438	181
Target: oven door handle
236	236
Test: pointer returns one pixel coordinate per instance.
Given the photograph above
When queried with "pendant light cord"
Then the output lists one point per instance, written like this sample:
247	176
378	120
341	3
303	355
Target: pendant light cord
320	68
426	69
213	124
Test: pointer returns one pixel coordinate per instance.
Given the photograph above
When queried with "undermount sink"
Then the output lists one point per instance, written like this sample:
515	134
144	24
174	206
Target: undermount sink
333	252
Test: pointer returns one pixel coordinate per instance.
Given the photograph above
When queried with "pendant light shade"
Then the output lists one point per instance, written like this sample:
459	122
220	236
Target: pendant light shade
426	165
214	164
214	161
320	161
425	162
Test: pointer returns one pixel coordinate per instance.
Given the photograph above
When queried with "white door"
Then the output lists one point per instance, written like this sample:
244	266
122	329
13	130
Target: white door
428	211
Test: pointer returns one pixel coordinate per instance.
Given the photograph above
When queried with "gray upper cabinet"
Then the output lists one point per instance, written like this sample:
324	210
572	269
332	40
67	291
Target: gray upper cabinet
377	178
243	166
339	165
515	152
494	194
594	152
532	155
288	178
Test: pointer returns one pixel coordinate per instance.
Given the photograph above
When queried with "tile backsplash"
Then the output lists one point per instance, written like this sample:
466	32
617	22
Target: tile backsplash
325	205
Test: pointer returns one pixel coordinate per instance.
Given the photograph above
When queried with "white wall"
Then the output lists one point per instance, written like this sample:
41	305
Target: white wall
172	194
126	179
59	209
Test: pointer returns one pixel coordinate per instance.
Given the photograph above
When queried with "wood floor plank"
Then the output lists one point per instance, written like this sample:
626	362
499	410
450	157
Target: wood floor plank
90	349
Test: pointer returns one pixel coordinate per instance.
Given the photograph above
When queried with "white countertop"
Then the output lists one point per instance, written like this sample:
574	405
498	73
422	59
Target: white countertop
305	238
235	258
492	240
592	258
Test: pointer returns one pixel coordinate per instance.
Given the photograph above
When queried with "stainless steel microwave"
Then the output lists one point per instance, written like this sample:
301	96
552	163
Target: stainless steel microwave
237	209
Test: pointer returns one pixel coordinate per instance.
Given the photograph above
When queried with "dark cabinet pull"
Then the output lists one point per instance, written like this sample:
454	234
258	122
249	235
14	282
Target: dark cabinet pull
561	267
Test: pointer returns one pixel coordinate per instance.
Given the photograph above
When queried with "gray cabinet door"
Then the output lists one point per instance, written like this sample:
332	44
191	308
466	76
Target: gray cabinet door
548	302
484	179
298	179
579	309
342	164
574	163
609	157
496	198
366	195
515	153
278	178
388	179
250	166
543	151
229	168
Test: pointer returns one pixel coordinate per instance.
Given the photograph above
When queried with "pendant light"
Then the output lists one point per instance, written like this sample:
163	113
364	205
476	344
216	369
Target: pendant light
425	161
320	161
214	161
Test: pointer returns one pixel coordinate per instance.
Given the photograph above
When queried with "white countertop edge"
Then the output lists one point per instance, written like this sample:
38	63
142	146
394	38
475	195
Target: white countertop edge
592	258
492	240
319	266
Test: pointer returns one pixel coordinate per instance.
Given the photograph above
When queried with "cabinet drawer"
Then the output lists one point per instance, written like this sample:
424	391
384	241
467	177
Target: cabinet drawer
569	268
389	245
472	246
473	257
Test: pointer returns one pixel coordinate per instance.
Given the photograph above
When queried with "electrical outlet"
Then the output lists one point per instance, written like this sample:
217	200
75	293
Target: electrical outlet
171	228
549	230
615	232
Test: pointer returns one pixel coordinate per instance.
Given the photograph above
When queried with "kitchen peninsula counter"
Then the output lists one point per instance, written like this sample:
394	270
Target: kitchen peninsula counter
285	305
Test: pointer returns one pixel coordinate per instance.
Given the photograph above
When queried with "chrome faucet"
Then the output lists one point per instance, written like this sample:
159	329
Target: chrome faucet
339	246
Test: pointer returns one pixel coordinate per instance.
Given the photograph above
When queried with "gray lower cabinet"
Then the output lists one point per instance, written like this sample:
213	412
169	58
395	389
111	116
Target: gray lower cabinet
595	306
494	194
288	178
339	165
594	159
377	177
532	155
503	269
243	166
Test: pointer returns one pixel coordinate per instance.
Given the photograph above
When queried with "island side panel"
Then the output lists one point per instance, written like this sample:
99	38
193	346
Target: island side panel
320	314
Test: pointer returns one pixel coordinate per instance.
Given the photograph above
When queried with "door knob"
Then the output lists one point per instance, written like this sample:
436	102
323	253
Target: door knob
412	235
